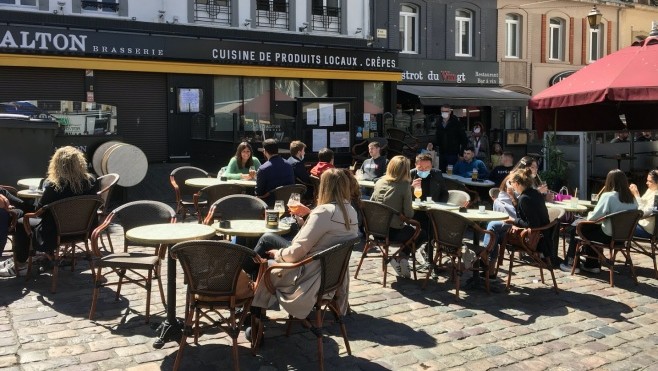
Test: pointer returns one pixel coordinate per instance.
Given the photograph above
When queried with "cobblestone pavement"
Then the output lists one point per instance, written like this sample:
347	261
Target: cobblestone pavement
588	325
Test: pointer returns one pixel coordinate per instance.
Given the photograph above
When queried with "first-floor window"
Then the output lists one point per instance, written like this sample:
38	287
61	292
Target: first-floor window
512	35
556	39
596	43
108	6
19	2
463	33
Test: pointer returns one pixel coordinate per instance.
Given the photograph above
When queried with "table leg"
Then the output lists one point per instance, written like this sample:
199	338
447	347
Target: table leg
171	328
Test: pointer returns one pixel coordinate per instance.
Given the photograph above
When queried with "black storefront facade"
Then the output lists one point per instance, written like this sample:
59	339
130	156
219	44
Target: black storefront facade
190	94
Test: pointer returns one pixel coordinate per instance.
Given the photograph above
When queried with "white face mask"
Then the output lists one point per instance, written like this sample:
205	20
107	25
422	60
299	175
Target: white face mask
445	115
476	130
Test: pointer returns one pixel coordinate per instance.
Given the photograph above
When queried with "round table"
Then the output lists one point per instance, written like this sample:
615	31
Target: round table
567	206
26	193
250	228
29	182
424	206
468	181
206	182
169	234
366	183
486	216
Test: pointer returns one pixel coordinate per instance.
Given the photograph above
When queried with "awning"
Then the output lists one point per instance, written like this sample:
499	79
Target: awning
433	95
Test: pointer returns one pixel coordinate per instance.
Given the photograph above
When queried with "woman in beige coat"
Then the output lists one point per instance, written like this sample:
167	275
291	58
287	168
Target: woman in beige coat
333	221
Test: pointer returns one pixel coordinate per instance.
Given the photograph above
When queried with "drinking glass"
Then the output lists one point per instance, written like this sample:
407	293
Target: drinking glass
449	169
252	172
293	202
418	191
595	198
279	207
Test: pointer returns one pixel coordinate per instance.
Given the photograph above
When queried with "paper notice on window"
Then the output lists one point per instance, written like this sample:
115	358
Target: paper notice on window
319	139
339	139
326	114
341	116
366	117
311	116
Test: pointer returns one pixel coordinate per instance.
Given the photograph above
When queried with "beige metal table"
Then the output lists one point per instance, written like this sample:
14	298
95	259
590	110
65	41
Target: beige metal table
26	193
29	182
169	234
250	228
469	182
424	206
568	206
366	183
205	182
486	216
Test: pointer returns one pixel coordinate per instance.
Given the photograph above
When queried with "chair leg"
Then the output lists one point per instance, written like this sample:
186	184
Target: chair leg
56	260
576	258
366	248
630	261
509	272
385	260
437	257
109	240
120	273
343	329
541	271
148	295
458	275
159	279
653	257
183	340
97	289
318	333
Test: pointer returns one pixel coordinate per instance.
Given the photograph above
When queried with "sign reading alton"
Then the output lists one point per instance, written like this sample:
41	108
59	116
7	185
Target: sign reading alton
30	39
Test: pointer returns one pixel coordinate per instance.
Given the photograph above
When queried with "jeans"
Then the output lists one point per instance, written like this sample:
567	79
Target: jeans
4	229
499	229
640	232
267	242
592	232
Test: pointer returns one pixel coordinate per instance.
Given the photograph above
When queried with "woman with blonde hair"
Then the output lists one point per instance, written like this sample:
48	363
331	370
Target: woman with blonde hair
332	222
394	190
67	177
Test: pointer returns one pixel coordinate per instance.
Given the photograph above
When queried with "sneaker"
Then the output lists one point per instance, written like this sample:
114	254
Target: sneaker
595	270
566	266
404	268
10	270
396	267
5	263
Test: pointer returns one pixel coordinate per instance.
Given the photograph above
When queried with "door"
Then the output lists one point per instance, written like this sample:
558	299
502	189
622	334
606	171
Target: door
190	107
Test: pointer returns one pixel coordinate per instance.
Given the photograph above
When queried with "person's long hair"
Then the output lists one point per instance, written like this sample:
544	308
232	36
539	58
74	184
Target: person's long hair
355	189
238	156
524	163
617	181
398	169
335	188
68	168
523	177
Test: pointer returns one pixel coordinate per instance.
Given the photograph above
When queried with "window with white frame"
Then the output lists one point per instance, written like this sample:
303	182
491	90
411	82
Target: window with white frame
463	33
556	39
103	6
512	36
408	29
20	2
596	43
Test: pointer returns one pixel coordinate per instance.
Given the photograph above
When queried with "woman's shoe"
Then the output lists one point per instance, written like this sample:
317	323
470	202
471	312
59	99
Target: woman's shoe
11	269
5	263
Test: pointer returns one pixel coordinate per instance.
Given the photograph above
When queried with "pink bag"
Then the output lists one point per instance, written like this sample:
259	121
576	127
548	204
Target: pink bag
563	195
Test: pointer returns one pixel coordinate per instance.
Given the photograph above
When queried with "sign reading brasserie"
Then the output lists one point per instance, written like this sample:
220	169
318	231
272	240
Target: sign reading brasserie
28	39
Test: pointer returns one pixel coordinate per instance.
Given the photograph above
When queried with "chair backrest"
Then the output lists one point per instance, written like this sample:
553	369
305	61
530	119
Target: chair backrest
180	174
623	224
212	267
456	197
284	192
555	213
396	133
106	184
493	193
215	192
449	228
453	184
74	216
377	218
138	213
236	207
334	262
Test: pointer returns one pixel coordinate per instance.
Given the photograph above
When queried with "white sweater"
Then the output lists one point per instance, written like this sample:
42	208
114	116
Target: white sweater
646	205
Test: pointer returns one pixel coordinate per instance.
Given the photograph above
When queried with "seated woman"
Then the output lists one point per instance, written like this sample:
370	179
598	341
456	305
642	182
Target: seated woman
394	190
333	221
645	203
67	177
239	165
615	196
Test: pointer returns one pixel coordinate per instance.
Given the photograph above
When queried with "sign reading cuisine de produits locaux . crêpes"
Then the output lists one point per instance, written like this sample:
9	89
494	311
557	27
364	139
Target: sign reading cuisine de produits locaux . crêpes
37	40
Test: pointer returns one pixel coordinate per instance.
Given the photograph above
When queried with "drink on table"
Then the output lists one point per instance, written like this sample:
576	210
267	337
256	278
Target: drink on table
474	174
279	207
418	191
449	169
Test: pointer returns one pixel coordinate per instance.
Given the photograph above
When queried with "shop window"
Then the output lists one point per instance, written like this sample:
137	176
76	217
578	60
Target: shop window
272	13
20	2
315	88
596	43
463	33
103	6
286	89
213	11
373	97
227	107
408	29
556	39
512	36
326	15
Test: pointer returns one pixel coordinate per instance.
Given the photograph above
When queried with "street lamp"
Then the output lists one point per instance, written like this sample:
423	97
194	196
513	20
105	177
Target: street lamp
594	17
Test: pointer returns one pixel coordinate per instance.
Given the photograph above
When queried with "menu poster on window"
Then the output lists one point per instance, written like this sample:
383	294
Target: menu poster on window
339	139
341	116
366	117
311	116
319	139
326	114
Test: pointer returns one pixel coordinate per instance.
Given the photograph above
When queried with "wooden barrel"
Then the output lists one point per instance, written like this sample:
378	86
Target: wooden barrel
128	161
97	158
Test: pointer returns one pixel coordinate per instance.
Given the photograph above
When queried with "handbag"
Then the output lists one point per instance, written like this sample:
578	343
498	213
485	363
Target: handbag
531	239
562	195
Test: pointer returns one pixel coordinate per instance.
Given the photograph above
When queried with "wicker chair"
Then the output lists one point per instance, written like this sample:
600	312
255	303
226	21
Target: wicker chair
13	216
74	218
455	185
623	226
131	215
215	283
460	198
185	193
449	230
235	207
334	263
638	246
376	223
106	184
283	192
213	193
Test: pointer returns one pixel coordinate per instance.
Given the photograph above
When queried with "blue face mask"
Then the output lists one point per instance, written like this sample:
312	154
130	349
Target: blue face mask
423	174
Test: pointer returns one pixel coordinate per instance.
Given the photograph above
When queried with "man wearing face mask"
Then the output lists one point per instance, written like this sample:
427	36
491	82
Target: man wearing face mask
429	179
451	138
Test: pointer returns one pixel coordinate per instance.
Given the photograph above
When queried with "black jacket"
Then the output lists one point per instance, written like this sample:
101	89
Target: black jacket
433	185
299	169
452	139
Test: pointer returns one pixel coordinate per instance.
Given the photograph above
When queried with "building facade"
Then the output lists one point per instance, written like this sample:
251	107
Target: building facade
191	79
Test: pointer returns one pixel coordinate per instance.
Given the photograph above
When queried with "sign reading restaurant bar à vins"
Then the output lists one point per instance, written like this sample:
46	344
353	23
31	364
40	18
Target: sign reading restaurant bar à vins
30	39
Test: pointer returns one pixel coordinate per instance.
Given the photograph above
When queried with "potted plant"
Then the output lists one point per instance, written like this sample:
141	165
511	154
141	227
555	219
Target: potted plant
557	168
